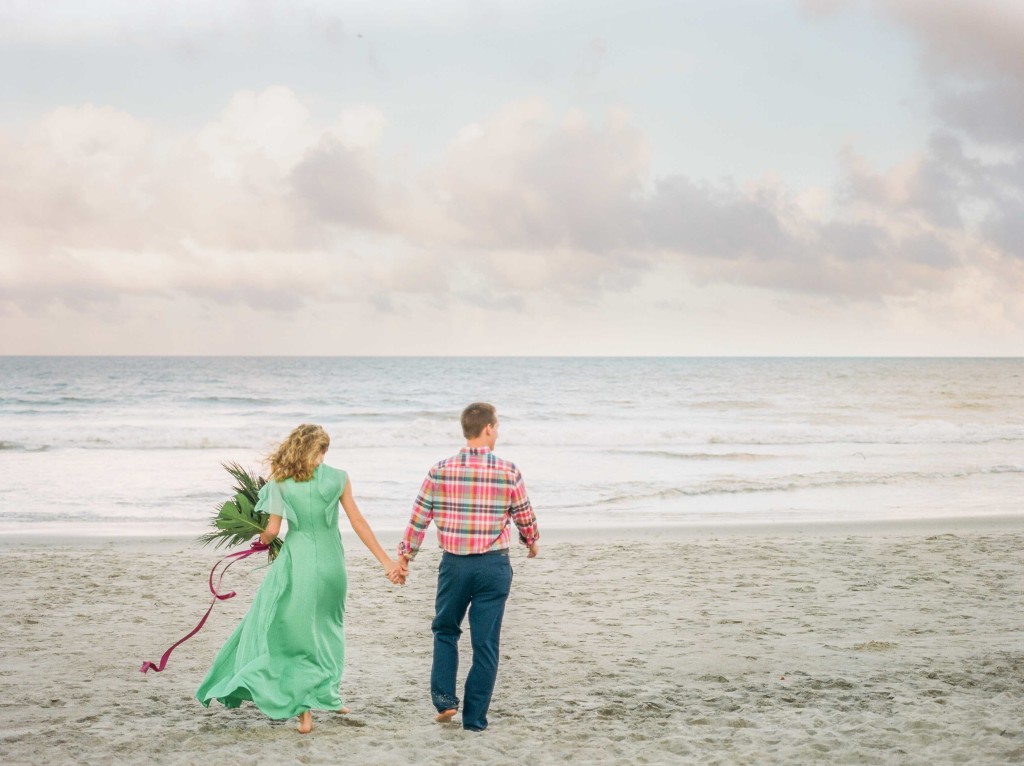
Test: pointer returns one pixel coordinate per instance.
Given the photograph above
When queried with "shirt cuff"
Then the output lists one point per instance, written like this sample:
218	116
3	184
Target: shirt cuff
405	550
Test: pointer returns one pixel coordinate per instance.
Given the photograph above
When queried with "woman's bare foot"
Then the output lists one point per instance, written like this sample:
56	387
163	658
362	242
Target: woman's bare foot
446	716
343	711
306	723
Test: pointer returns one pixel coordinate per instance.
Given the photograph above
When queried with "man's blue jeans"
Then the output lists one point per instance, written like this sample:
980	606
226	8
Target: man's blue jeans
481	584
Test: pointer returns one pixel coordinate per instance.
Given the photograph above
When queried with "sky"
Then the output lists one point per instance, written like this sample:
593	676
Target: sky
464	177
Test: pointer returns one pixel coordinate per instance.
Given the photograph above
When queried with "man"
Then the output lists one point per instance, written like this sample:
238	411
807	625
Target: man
471	497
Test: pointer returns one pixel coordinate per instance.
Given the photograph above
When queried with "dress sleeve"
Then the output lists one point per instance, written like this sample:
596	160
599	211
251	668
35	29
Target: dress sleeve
272	501
331	483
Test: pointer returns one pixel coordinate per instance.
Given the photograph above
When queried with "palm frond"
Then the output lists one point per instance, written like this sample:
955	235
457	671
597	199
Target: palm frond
236	520
246	482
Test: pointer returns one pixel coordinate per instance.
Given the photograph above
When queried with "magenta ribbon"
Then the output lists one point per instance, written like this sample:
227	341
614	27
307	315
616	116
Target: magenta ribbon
257	547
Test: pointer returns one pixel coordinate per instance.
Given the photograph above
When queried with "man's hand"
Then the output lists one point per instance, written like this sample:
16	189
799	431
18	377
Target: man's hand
533	549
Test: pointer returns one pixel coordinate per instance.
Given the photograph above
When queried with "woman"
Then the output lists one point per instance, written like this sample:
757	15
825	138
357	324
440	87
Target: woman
288	652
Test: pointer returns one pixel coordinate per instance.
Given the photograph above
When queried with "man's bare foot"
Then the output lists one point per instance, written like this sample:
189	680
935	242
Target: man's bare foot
343	711
446	716
306	723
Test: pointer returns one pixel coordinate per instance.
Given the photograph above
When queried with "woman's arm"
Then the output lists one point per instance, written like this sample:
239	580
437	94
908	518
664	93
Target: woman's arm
362	528
271	530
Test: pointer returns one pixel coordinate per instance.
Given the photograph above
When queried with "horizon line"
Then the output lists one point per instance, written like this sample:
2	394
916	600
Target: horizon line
505	356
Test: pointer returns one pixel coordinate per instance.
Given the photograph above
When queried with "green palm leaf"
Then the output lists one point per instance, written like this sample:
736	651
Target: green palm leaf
237	521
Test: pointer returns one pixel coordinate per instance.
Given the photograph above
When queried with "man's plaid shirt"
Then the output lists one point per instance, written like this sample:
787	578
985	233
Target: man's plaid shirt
471	497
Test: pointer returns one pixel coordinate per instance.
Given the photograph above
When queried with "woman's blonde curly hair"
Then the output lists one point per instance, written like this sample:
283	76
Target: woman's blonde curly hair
298	455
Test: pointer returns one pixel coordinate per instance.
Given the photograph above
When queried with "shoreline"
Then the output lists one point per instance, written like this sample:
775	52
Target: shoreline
607	533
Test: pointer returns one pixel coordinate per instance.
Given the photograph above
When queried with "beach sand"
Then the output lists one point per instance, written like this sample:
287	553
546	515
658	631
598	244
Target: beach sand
860	644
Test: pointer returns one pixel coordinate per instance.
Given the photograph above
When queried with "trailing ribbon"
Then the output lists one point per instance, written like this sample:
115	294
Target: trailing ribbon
257	547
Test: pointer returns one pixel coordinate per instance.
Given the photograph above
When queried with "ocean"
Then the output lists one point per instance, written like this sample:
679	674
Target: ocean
134	445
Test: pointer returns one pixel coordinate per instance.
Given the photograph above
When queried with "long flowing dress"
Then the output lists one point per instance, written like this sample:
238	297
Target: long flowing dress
288	652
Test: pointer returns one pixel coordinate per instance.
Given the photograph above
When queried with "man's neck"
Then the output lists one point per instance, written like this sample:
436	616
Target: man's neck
477	444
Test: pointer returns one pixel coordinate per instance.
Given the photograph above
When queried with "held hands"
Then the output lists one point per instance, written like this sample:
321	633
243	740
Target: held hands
396	572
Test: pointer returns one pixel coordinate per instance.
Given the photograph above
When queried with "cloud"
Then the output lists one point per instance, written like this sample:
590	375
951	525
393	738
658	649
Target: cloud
950	190
980	38
525	179
1006	229
932	185
580	194
715	222
973	55
96	177
569	202
762	240
962	197
339	186
97	204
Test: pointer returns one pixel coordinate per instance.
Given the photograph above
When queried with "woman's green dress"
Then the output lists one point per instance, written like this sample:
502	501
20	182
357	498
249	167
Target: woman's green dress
288	652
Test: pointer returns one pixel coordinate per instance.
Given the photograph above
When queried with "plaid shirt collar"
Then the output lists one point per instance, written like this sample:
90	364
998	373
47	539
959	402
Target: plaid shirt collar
474	450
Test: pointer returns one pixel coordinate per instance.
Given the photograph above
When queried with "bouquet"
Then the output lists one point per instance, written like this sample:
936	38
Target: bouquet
237	521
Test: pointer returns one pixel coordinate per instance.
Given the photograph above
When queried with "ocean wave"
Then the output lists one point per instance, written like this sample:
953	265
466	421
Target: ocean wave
739	456
104	444
798	441
236	400
56	406
791	483
553	416
729	404
87	516
33	400
18	447
253	435
410	414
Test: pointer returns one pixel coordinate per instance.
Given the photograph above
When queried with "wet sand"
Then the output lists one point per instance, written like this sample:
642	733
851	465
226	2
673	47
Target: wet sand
883	643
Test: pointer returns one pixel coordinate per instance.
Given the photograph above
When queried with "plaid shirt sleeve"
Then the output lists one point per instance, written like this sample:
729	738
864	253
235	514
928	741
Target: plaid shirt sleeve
422	513
521	511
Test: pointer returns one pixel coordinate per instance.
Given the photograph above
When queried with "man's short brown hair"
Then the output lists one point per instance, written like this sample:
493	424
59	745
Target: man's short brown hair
476	417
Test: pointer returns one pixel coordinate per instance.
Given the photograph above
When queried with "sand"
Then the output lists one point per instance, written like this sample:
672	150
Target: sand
844	644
